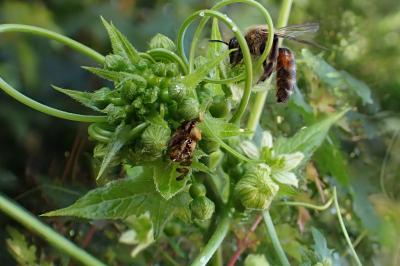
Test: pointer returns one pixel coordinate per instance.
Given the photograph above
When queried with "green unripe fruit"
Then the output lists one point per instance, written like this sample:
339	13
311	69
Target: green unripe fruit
159	69
197	190
189	109
220	107
256	189
115	62
162	41
202	208
164	95
177	91
173	229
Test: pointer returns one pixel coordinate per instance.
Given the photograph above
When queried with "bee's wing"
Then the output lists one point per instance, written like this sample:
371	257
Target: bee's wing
298	30
292	32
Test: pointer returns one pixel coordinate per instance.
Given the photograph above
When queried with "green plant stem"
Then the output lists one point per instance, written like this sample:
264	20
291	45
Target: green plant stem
77	46
22	216
343	227
215	241
216	260
308	205
260	97
274	238
7	88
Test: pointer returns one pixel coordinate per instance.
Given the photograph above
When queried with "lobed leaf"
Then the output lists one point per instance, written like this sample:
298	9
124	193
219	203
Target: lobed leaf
125	197
120	43
83	97
111	75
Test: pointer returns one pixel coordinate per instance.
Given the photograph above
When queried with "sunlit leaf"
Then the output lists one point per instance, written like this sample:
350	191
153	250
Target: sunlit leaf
308	139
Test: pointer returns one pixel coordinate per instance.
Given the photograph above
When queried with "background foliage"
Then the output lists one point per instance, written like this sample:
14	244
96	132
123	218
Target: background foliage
44	161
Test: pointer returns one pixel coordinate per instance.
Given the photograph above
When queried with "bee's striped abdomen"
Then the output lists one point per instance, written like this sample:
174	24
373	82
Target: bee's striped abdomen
285	75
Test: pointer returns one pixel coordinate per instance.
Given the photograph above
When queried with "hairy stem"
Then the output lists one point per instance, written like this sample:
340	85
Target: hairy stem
215	241
260	97
274	238
22	216
343	227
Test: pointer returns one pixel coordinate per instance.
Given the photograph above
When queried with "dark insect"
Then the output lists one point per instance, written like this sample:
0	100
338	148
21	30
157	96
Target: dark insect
182	145
280	60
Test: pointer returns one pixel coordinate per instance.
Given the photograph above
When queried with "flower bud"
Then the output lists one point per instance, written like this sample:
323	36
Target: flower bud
177	91
202	208
115	62
256	189
162	41
155	139
189	108
220	107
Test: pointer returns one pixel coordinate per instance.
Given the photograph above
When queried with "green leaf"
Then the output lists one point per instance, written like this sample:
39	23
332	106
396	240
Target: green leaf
221	128
165	175
120	43
109	74
125	197
320	246
193	79
85	98
308	139
330	160
118	140
336	79
20	249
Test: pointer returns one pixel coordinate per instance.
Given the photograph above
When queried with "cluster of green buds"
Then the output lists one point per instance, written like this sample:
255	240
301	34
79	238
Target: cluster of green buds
202	208
145	87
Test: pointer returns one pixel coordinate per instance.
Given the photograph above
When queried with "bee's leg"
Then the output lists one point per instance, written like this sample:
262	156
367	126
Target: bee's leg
270	61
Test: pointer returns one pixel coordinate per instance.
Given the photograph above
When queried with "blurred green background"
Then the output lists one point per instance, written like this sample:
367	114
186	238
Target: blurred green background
45	162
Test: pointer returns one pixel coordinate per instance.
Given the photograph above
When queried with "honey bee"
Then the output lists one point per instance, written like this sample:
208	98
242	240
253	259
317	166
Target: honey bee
183	144
279	59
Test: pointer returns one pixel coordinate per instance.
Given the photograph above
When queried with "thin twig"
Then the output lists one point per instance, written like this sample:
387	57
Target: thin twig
244	243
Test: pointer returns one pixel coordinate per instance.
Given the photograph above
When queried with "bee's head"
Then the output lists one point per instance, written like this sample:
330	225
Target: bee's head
236	56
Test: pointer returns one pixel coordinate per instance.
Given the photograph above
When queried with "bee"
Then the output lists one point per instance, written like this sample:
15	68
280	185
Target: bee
183	144
281	60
